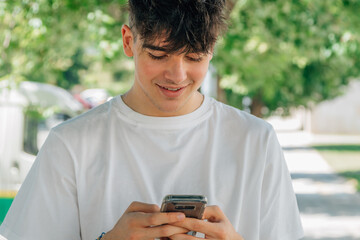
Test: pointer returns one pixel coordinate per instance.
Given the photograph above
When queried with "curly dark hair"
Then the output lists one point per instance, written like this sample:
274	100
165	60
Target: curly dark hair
187	25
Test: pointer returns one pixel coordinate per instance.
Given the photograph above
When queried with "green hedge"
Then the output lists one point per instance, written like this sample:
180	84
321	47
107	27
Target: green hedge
5	204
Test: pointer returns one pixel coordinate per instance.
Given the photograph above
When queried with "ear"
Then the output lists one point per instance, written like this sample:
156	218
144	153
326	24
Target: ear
211	52
128	40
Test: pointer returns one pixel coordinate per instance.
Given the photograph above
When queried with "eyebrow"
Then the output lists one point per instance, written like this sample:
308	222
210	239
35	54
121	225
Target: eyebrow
162	49
155	48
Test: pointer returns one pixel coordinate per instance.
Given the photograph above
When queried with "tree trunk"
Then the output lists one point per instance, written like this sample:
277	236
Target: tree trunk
257	105
221	96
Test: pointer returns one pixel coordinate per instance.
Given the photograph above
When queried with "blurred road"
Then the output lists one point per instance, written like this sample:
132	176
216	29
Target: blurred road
329	204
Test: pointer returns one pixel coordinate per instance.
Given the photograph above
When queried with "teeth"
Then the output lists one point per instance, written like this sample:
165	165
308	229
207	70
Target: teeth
172	89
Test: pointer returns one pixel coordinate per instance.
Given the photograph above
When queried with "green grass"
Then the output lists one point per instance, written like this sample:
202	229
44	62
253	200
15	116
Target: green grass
344	159
5	204
338	148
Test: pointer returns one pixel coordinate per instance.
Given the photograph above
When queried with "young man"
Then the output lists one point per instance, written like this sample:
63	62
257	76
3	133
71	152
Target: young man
108	170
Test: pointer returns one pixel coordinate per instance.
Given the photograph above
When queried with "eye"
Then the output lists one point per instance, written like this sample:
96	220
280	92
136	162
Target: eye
195	58
156	57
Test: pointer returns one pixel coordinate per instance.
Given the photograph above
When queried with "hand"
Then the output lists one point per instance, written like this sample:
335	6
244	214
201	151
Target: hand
218	226
145	221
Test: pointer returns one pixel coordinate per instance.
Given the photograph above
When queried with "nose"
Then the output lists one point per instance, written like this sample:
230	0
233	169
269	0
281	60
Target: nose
176	71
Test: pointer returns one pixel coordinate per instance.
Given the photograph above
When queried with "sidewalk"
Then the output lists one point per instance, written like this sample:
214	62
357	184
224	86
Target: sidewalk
329	204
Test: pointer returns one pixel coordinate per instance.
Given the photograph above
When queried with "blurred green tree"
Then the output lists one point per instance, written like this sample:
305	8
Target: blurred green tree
63	42
282	53
278	53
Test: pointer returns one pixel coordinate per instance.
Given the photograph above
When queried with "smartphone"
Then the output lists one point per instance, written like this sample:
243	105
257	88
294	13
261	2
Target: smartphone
192	206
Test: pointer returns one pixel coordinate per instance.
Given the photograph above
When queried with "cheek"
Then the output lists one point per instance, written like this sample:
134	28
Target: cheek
148	70
198	73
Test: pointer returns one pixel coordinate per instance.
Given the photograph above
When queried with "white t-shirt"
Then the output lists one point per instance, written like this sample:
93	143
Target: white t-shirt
92	167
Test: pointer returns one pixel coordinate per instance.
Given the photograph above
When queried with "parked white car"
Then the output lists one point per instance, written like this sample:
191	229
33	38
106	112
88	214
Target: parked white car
22	134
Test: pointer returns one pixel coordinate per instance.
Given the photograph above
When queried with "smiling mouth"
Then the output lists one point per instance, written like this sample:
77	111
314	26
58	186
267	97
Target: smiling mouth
171	89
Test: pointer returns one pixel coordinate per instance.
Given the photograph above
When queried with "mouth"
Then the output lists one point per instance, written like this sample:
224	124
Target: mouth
171	92
171	88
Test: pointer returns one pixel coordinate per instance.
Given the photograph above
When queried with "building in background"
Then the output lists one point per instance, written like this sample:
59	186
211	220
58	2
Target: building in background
27	113
340	115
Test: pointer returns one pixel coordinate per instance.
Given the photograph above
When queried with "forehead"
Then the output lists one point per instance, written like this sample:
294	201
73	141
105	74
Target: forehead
163	44
156	45
156	40
164	47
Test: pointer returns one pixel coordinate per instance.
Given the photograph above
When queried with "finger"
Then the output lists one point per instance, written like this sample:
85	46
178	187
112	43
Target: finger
183	236
165	231
160	218
142	207
195	225
214	214
214	230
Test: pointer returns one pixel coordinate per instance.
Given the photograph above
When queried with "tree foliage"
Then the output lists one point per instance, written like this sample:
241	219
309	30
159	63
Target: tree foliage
283	53
280	53
63	42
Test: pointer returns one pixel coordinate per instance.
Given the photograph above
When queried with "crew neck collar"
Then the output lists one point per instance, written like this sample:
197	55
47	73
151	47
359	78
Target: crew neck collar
176	122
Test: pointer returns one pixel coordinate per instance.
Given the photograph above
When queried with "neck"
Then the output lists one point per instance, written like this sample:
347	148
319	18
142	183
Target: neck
135	102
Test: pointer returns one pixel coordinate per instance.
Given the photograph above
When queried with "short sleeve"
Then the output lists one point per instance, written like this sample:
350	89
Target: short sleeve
46	204
280	219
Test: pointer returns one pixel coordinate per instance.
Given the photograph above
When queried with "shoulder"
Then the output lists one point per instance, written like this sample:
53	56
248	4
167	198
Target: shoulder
90	122
238	119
